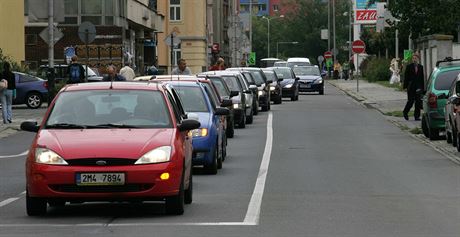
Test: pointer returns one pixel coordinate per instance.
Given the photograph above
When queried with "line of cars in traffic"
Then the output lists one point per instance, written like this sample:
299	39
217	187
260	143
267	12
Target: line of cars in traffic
138	141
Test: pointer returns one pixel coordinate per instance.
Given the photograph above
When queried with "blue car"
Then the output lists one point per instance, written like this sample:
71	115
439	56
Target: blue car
30	90
209	140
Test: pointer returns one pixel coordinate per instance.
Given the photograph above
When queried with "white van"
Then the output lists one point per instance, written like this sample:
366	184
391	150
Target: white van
291	62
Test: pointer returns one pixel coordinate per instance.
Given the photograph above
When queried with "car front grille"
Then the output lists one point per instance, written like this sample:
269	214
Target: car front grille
100	189
101	162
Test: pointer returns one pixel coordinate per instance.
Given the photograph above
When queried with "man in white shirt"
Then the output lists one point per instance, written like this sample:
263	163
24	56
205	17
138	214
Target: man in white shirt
182	69
127	72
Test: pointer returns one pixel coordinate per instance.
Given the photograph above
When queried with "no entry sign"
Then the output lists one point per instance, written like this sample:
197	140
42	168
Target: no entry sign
327	54
358	46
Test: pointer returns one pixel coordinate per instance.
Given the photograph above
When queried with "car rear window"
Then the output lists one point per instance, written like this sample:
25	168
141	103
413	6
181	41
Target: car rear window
306	71
284	73
193	98
445	79
270	75
220	86
136	108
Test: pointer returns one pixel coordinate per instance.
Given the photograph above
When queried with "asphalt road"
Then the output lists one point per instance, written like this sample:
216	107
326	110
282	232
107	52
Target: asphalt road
335	169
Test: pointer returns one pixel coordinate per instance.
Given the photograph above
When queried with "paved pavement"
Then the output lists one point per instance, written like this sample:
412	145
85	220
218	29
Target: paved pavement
385	99
21	113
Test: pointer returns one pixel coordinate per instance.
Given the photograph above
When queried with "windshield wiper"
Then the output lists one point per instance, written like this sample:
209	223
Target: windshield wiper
66	126
111	125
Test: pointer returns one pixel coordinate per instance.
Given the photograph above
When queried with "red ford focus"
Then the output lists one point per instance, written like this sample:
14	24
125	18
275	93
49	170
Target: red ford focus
100	142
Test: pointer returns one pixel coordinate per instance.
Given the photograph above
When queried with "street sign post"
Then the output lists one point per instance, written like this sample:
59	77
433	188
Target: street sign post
358	46
87	34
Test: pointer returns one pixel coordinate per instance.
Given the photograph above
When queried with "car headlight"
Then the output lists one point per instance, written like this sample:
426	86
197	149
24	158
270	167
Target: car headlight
261	93
158	155
319	81
49	157
288	85
200	132
237	106
272	88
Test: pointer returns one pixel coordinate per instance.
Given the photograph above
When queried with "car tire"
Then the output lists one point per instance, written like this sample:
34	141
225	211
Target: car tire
230	131
242	123
224	149
269	105
212	168
293	98
250	118
255	107
278	100
449	137
220	156
454	137
321	92
265	108
188	195
174	205
34	100
458	143
425	128
35	206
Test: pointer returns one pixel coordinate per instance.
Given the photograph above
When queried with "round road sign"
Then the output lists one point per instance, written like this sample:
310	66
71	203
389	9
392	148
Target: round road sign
327	54
358	46
87	32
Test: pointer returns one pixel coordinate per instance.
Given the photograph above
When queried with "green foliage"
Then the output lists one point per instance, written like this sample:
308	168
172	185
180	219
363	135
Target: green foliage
376	69
14	66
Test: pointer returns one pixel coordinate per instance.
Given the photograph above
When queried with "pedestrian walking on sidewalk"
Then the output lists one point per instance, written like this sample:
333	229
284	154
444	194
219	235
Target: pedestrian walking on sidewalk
9	94
346	70
414	84
337	69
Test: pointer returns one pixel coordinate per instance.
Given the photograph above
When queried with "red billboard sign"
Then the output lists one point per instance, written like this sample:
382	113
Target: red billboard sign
366	15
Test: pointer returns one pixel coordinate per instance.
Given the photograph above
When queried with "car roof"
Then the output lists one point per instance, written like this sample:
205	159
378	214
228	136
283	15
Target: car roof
244	68
221	73
154	86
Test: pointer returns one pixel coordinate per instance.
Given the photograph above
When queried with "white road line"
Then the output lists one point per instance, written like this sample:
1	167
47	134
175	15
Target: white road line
13	156
253	213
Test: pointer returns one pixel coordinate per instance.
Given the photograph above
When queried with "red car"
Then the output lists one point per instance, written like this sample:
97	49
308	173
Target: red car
121	141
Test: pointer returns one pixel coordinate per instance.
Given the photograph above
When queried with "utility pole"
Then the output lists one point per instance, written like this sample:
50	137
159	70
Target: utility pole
333	29
50	50
250	24
329	25
349	28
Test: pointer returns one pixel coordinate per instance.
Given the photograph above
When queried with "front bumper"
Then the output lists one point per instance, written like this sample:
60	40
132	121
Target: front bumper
141	182
203	150
263	100
289	92
275	94
310	87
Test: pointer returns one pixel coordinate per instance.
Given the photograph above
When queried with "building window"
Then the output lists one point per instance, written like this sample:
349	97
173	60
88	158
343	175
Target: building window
276	8
174	10
176	54
91	10
31	39
98	12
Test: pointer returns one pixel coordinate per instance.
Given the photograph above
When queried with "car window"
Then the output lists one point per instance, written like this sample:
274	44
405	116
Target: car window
220	86
249	78
270	75
232	83
135	108
445	79
177	115
26	78
193	98
258	77
211	97
292	64
243	83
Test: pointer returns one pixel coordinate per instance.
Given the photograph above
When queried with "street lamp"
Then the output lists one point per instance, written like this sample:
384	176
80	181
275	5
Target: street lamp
278	43
268	31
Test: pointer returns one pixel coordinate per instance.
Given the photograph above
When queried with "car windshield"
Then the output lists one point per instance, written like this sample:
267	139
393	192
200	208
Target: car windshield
284	73
306	71
258	78
270	75
110	108
232	83
193	98
220	86
445	79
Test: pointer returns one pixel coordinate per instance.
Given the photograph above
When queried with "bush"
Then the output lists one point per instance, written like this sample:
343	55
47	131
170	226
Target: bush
14	66
376	69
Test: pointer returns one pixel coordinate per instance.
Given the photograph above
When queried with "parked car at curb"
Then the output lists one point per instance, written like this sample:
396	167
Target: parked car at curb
249	79
30	90
275	87
290	83
452	110
120	141
310	79
62	74
434	100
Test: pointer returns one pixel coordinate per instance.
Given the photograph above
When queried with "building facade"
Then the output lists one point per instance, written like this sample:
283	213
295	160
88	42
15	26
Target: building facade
12	29
187	21
259	7
125	31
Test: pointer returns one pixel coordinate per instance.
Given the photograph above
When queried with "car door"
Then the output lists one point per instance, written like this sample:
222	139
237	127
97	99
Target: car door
247	93
216	119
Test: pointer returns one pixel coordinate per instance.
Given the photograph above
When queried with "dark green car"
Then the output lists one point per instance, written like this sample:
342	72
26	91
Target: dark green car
434	100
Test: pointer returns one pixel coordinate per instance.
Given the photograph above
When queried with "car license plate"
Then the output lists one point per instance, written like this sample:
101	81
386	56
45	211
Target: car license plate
305	86
100	178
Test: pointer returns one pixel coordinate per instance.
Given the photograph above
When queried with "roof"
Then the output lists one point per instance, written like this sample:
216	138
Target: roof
115	86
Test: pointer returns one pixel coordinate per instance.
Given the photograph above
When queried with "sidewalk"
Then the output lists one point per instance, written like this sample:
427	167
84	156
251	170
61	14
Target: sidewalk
385	99
21	113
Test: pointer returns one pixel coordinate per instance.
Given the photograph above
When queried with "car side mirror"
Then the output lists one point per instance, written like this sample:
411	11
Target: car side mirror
226	103
189	124
30	126
280	80
222	111
269	81
234	93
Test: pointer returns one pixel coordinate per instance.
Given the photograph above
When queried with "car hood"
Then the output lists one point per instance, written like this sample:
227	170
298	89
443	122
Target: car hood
104	143
204	118
309	77
287	82
237	99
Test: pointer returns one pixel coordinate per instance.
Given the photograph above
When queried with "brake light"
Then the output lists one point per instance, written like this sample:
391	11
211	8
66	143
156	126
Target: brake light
45	84
432	101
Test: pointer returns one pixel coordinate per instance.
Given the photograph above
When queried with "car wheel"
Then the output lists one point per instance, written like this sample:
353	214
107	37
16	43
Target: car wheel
230	132
224	149
449	137
425	127
269	105
454	137
433	133
255	107
278	100
220	156
174	205
293	97
188	195
321	92
35	206
34	100
250	118
458	143
242	123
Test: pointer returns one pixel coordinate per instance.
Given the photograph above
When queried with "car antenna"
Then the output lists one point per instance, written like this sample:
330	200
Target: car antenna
111	84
